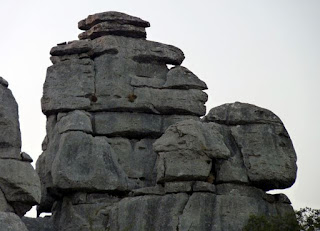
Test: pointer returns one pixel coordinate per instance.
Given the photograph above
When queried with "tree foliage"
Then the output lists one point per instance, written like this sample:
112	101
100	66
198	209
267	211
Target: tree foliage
309	219
306	219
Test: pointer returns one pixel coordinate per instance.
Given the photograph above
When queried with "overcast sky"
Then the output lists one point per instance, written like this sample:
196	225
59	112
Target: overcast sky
264	52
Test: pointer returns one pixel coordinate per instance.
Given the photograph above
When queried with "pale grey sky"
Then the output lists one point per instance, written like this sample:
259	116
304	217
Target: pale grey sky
264	52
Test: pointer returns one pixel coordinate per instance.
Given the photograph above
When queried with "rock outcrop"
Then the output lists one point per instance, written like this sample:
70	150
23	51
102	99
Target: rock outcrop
126	150
19	183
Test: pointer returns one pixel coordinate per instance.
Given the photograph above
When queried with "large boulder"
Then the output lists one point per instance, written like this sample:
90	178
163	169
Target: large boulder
86	163
261	140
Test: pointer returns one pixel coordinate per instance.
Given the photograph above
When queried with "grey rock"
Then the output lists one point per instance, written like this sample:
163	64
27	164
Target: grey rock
112	17
181	78
25	157
4	82
11	222
10	138
74	121
169	101
235	204
154	190
182	166
150	213
137	159
86	163
169	120
176	187
241	113
58	59
233	168
4	205
147	82
190	135
39	223
139	50
74	47
21	187
69	85
268	155
136	125
112	28
198	213
201	186
44	165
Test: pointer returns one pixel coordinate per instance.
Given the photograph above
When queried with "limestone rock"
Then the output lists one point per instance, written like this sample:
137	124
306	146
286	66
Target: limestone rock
86	163
240	114
235	204
112	28
68	86
182	166
74	47
39	224
167	101
23	186
74	121
10	138
25	157
4	82
142	51
4	205
181	78
136	125
260	139
198	213
268	155
112	17
11	222
137	159
190	135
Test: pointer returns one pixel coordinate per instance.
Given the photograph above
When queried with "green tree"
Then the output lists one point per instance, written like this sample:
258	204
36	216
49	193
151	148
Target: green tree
272	223
306	219
309	219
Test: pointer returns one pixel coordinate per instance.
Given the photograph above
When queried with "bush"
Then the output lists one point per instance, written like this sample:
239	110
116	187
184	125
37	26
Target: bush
306	219
272	223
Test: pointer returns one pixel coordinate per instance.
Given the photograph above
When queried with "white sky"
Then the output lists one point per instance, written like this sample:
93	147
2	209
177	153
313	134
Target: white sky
264	52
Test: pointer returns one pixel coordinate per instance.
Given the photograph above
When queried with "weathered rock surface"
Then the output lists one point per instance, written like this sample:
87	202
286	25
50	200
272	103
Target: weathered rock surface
19	183
260	139
10	138
86	163
68	86
11	222
39	224
113	17
181	78
112	28
126	150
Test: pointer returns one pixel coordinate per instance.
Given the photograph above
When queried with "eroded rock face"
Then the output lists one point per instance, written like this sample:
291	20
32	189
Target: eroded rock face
125	148
261	140
19	182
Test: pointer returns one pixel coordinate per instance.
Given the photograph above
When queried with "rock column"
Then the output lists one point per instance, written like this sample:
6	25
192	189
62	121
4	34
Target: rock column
19	183
126	150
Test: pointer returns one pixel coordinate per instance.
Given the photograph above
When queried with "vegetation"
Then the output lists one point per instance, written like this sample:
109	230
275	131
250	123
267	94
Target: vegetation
306	219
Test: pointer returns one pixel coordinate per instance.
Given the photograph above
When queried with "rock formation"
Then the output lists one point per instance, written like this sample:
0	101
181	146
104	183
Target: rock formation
19	183
126	149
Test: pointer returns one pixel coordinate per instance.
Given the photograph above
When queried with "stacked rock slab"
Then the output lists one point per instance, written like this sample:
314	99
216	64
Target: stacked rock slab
19	183
107	98
126	150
